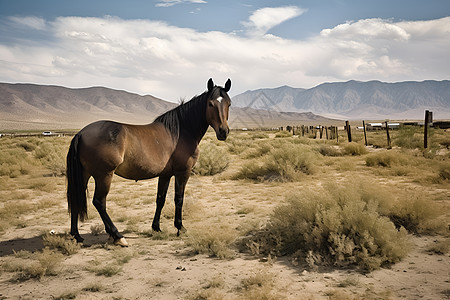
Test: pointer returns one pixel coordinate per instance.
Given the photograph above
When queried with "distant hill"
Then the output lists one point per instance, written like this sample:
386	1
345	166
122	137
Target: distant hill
30	106
356	100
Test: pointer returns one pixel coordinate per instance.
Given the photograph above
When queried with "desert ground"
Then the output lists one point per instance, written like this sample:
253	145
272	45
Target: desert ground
230	200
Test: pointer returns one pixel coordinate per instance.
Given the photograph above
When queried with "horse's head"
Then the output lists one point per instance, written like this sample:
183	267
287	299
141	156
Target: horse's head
217	108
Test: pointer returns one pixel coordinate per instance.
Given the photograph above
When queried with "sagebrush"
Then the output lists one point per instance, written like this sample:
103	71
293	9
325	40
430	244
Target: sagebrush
339	226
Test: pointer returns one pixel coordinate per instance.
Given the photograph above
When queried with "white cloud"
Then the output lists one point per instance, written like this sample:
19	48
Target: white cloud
168	3
30	22
150	57
262	20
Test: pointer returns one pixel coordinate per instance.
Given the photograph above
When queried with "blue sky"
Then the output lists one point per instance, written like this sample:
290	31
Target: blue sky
170	48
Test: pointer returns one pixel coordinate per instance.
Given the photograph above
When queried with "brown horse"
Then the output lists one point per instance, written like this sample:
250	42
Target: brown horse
165	148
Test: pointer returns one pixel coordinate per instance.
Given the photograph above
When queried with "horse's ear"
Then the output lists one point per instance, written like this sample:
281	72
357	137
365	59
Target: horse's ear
227	85
210	85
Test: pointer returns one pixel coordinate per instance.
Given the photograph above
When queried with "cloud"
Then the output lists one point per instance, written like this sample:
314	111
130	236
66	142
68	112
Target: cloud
168	3
29	22
367	29
152	57
262	20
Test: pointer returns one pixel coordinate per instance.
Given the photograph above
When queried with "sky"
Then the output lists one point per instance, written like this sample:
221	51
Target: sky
170	48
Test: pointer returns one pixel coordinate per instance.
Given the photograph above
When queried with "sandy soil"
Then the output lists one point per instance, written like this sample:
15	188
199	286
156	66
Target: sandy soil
167	269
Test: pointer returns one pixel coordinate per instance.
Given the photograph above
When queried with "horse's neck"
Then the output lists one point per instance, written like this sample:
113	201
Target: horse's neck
195	133
194	127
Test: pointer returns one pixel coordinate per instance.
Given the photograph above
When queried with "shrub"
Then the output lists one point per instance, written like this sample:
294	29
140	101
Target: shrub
211	243
285	163
212	160
327	150
354	148
260	149
63	243
417	214
237	145
27	146
407	138
340	226
14	162
35	265
259	135
52	155
444	171
283	134
382	159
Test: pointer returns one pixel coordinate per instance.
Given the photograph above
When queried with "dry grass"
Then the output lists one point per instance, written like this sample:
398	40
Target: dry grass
63	243
34	265
216	243
317	202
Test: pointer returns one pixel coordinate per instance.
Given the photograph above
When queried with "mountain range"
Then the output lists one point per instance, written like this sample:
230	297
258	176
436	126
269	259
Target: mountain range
356	100
31	106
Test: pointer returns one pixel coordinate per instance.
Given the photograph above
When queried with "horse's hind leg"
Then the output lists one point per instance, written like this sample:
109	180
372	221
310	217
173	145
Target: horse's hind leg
74	213
102	185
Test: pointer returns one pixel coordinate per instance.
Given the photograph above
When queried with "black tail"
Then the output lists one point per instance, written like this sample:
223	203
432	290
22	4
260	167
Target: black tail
76	187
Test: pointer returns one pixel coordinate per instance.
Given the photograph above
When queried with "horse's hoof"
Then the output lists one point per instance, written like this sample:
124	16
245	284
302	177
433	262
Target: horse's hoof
78	238
121	242
181	230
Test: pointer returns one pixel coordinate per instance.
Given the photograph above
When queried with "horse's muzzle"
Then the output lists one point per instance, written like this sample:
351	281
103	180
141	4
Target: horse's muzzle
222	133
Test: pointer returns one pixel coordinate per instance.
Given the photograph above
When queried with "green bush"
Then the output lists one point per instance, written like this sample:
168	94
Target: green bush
212	160
408	137
285	163
341	226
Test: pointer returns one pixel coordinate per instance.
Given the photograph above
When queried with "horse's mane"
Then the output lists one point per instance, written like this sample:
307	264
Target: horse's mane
189	115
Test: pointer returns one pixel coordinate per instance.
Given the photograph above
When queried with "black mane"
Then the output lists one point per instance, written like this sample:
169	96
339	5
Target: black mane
188	116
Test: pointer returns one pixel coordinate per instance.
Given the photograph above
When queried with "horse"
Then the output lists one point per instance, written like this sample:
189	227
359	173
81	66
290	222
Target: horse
165	148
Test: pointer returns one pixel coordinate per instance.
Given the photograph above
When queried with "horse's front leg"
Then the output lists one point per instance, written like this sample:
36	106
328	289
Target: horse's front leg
163	185
180	185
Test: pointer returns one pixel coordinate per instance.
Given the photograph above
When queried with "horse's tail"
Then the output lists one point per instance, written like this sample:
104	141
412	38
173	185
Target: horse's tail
76	187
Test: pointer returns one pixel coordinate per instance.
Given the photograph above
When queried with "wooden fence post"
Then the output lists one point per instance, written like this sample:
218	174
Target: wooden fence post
428	120
365	135
387	134
337	134
326	132
349	131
